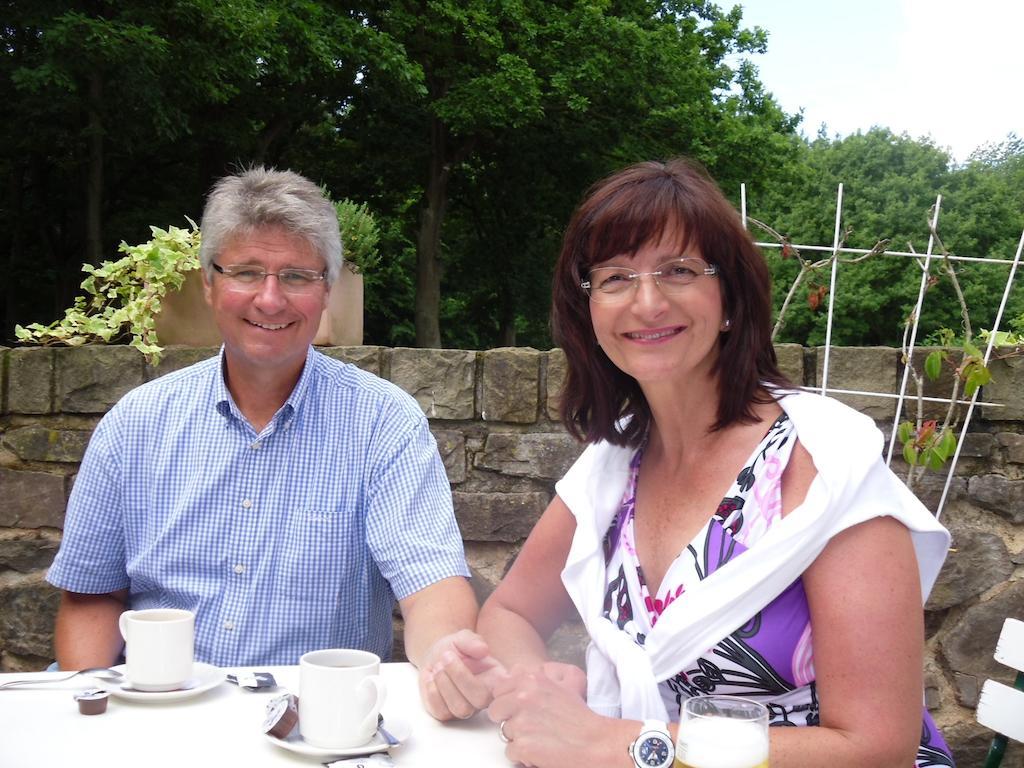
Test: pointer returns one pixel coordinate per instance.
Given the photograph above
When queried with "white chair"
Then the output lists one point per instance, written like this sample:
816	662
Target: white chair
1000	707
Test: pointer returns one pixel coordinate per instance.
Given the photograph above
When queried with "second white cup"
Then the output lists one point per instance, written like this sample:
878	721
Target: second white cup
340	696
159	647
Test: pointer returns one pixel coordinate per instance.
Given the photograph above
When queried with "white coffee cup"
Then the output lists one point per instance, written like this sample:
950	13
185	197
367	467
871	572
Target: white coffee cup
340	696
159	647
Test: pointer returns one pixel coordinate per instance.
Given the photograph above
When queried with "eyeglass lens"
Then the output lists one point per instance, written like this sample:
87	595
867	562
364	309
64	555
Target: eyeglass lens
242	277
671	275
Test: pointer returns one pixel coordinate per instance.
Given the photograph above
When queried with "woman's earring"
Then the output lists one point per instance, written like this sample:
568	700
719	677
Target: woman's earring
727	324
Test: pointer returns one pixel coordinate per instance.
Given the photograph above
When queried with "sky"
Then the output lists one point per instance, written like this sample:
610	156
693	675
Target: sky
945	69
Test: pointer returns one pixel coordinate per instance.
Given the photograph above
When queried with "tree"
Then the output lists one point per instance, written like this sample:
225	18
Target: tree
603	84
890	184
118	95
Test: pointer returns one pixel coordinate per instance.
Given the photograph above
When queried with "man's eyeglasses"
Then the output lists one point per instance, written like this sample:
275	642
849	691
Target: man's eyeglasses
248	278
609	284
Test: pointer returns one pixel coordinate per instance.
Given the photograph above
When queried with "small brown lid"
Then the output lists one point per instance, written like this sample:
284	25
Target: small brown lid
92	702
282	715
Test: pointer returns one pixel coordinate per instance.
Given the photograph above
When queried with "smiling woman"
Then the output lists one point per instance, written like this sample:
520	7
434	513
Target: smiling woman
721	533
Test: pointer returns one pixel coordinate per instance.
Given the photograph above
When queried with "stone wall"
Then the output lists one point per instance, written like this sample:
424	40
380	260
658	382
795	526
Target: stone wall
494	415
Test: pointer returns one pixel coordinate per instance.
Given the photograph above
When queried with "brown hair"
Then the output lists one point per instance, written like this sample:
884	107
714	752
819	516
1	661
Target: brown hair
619	215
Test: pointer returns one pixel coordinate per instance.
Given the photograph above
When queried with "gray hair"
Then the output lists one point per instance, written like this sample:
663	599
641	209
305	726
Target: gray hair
264	197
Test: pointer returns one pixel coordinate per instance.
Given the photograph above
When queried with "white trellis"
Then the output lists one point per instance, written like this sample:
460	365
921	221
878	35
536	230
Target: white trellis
924	261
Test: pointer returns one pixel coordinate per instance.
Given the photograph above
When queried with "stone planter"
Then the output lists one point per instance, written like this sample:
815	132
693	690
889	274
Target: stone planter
186	318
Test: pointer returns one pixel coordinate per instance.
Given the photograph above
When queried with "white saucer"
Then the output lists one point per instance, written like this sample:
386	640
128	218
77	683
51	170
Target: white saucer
397	727
204	677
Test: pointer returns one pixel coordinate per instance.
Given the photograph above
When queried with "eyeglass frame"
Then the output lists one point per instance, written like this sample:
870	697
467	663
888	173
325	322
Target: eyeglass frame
255	286
710	270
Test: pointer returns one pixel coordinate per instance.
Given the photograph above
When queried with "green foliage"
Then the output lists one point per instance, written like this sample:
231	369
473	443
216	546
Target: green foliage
926	446
123	296
890	183
490	117
360	236
517	108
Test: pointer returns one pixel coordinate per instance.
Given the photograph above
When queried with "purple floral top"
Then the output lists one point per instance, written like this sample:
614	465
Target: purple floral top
771	657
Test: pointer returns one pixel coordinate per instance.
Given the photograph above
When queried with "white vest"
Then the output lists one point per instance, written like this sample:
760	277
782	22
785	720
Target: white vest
852	485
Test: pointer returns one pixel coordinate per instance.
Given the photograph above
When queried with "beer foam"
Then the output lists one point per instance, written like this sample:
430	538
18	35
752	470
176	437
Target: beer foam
720	742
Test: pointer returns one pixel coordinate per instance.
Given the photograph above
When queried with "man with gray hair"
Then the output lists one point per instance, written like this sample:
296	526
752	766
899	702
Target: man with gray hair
286	498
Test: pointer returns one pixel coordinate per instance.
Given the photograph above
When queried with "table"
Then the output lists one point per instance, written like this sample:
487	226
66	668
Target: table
42	728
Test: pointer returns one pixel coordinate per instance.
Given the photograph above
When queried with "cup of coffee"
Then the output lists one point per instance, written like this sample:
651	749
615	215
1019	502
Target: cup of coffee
340	696
158	647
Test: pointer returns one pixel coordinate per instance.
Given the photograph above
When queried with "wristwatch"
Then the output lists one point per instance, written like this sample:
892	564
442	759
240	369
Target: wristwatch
653	747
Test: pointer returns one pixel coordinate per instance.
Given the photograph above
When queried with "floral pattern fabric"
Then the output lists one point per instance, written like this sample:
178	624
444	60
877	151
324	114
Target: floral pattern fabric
771	657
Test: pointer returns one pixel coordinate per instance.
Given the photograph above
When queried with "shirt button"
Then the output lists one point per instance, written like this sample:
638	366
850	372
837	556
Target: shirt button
239	568
257	446
247	503
229	625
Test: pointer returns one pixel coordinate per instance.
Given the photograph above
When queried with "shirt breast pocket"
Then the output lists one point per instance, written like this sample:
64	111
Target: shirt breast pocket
314	555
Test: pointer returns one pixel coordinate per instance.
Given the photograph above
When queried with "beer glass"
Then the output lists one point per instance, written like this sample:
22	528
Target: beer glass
722	732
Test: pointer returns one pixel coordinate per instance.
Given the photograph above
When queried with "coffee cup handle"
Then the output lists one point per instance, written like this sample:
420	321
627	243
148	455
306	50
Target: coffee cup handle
370	723
122	624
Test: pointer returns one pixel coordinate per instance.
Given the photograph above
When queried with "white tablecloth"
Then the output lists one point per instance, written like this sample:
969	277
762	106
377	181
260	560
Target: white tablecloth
42	728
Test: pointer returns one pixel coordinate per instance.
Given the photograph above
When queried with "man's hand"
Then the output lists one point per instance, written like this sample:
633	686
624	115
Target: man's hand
458	675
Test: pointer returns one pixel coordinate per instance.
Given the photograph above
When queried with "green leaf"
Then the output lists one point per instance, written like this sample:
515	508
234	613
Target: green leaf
905	432
910	454
946	444
978	376
932	459
933	365
972	351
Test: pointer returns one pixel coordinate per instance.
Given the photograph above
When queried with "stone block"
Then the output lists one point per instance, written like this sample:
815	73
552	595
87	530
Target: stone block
452	446
932	686
441	380
510	381
367	358
569	643
862	369
28	606
977	445
929	486
556	368
176	357
490	559
31	499
26	551
970	741
977	561
997	493
791	362
1005	388
968	645
542	455
933	621
507	517
92	378
1013	445
967	688
488	563
30	380
37	443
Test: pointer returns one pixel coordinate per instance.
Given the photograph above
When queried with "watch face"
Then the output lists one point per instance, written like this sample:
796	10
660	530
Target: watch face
653	751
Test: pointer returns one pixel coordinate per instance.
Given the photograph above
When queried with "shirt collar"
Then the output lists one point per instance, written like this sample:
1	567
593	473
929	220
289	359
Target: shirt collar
225	403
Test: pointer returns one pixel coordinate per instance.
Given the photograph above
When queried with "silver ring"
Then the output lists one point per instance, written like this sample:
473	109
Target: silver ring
501	732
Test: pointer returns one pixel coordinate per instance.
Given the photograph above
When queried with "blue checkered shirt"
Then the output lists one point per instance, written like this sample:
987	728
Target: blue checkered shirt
296	538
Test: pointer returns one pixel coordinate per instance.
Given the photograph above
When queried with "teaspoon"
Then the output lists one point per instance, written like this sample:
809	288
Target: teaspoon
99	673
